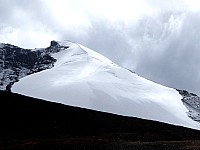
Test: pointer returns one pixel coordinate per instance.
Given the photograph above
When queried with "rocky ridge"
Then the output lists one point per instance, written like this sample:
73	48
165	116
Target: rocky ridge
16	62
192	103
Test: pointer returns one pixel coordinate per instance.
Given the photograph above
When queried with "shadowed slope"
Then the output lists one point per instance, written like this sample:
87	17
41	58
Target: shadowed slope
40	123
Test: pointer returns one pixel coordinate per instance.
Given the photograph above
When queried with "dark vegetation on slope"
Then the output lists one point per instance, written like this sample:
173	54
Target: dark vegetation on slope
28	123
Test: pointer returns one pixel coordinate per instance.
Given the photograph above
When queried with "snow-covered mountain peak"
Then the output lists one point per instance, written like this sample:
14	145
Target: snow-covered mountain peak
72	74
77	52
82	77
61	43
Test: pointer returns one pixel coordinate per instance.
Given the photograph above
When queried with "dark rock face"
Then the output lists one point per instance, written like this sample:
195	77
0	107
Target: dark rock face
53	43
16	62
185	93
192	103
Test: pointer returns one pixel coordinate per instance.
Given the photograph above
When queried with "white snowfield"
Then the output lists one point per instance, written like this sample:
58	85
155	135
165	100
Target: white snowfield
84	78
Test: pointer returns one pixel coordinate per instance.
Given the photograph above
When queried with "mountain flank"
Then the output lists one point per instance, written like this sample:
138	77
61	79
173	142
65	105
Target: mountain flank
29	123
84	78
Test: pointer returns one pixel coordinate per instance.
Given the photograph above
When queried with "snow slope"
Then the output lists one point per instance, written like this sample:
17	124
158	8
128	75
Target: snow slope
84	78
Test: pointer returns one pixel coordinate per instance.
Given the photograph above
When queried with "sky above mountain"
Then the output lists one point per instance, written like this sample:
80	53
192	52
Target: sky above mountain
156	39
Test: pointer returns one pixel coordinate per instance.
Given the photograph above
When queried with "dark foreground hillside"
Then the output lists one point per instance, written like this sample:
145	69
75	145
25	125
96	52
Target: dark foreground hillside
28	123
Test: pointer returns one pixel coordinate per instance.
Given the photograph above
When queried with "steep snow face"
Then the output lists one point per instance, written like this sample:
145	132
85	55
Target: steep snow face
81	77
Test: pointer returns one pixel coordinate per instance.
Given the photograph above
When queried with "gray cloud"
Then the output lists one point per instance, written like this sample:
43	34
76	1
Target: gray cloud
163	47
25	23
109	41
174	61
11	10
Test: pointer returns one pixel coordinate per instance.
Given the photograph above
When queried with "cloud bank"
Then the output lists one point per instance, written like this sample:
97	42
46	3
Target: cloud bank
156	39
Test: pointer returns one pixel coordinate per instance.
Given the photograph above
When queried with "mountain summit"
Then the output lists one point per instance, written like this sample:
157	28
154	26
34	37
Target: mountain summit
71	74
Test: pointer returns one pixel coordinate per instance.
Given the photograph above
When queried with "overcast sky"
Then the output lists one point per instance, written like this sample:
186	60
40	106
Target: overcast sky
157	39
